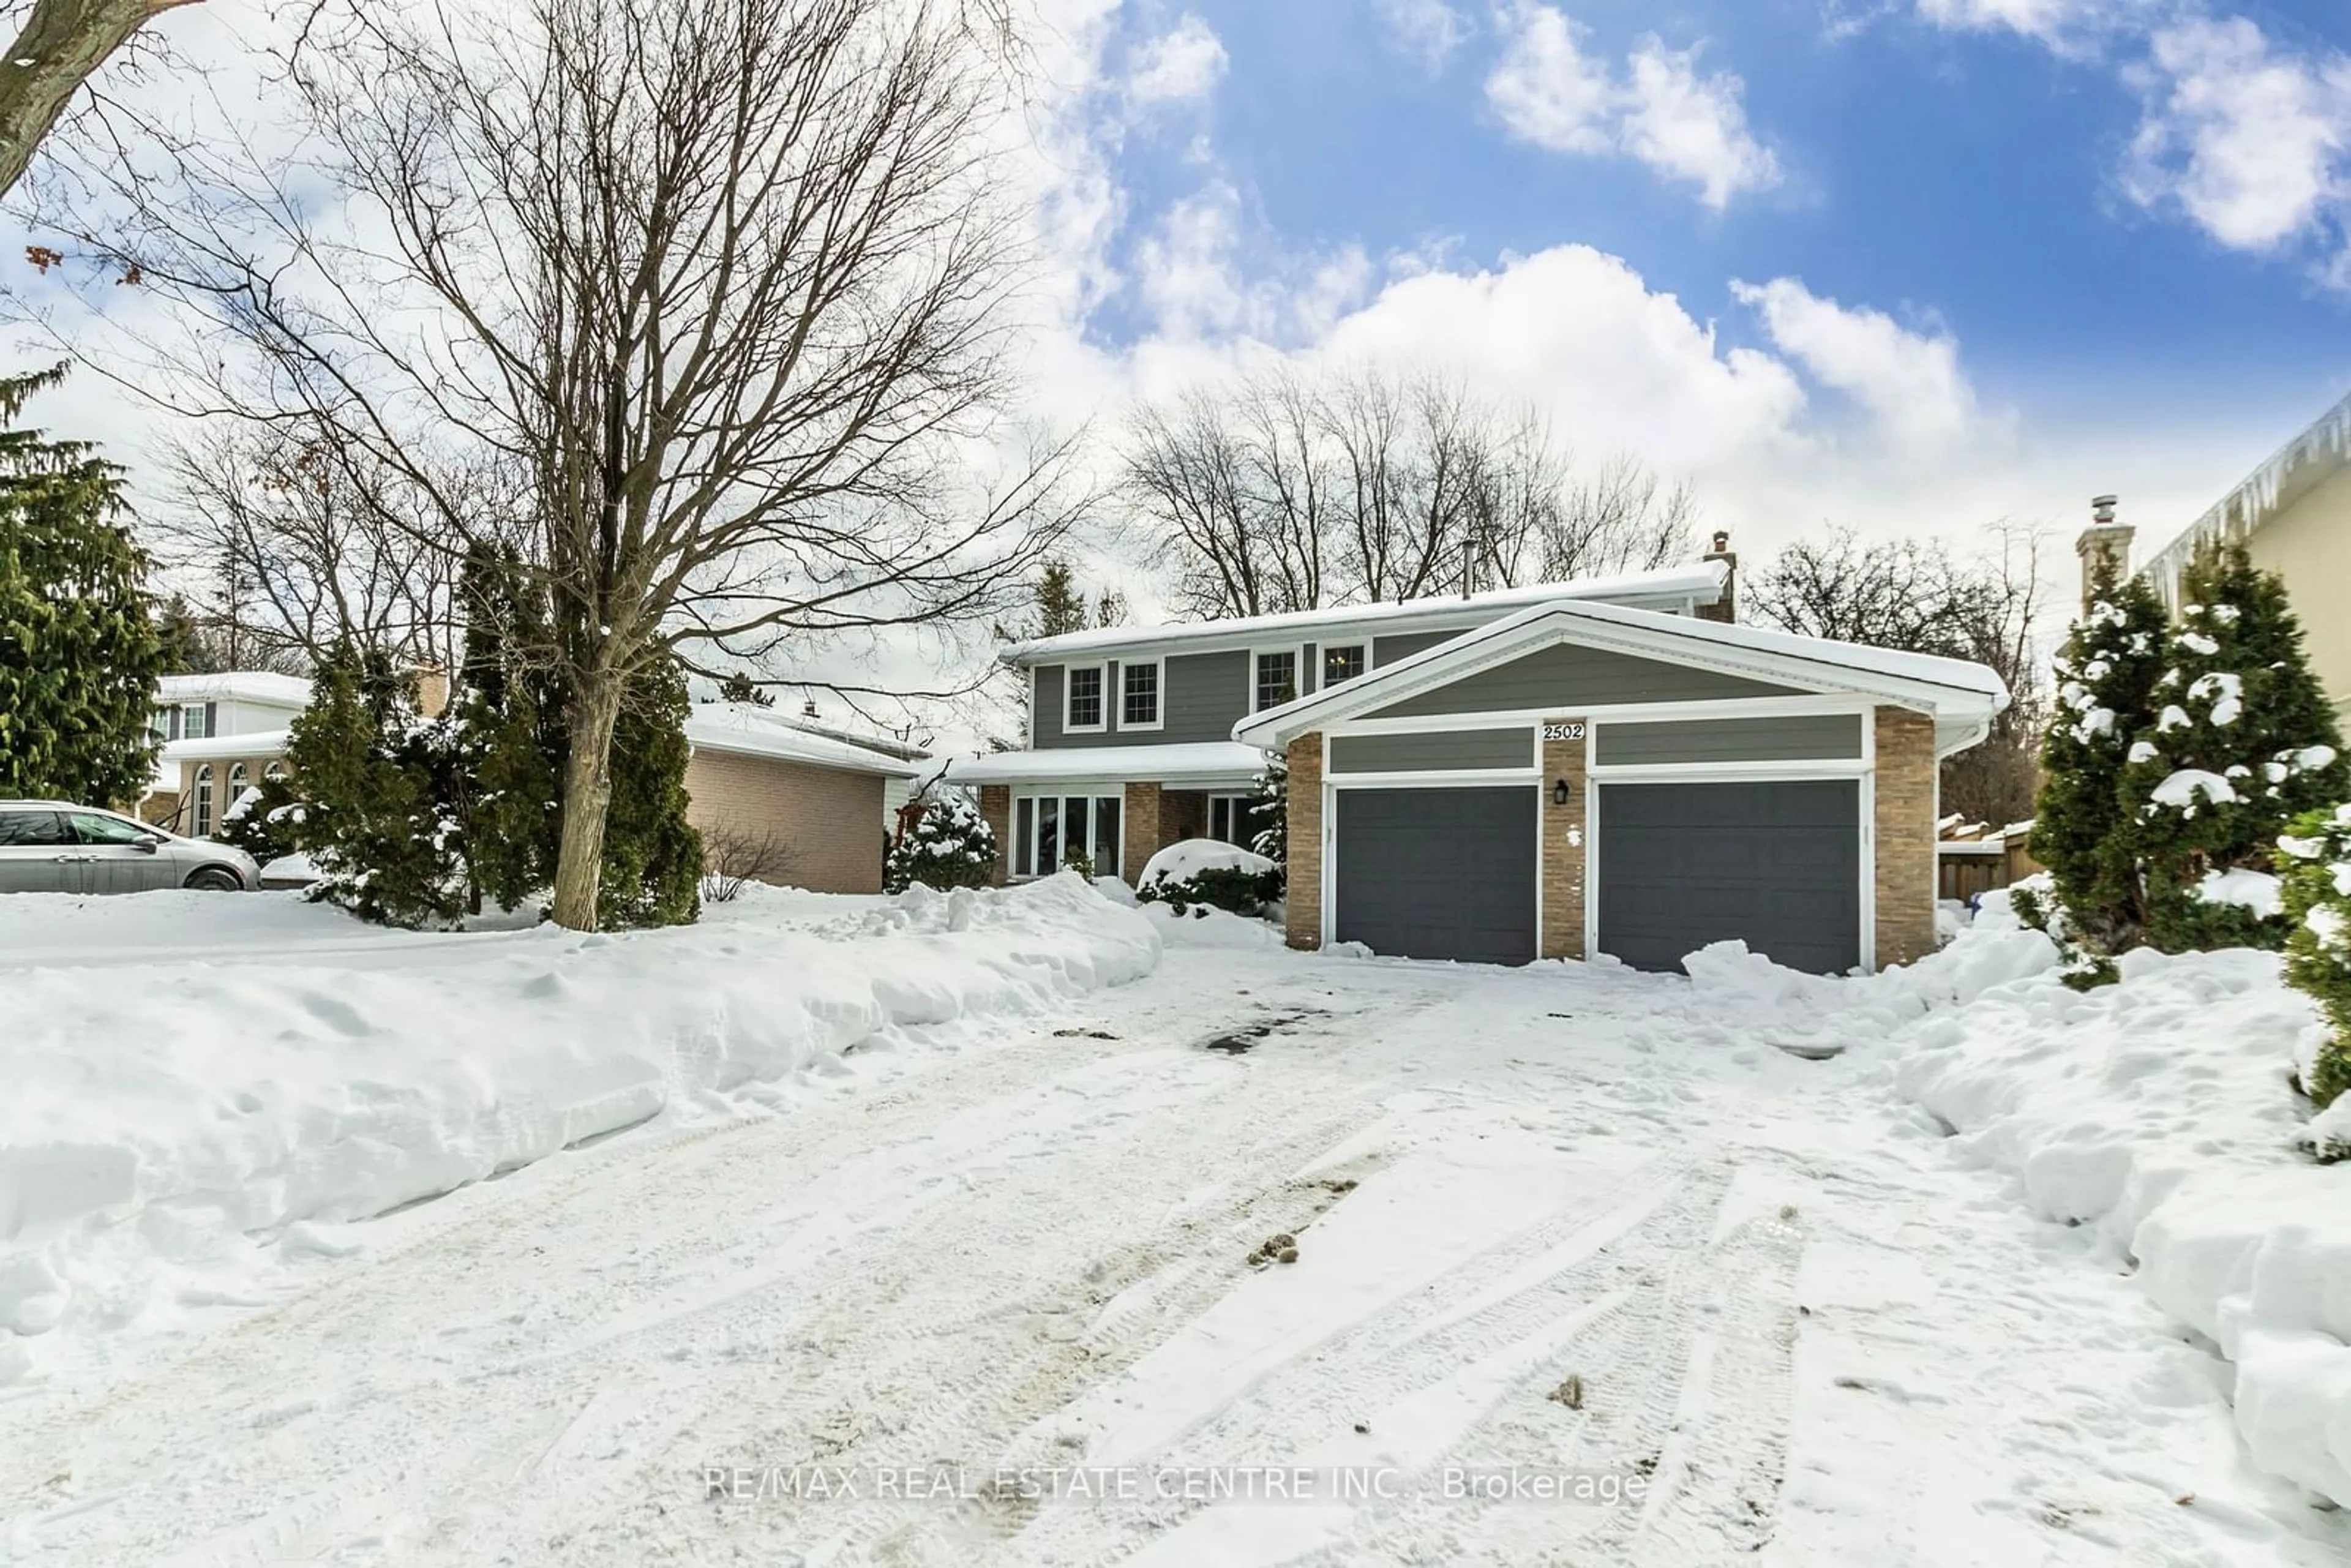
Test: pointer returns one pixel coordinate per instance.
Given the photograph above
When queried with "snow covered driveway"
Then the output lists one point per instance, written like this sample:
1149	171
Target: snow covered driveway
1812	1334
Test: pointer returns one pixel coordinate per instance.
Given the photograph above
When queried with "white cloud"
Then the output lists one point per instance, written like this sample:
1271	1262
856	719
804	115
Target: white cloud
2251	143
1179	66
1693	129
2052	22
1548	90
1909	383
1429	31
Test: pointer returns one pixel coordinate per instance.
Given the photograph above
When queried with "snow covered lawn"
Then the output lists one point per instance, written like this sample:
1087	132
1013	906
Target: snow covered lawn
1568	1223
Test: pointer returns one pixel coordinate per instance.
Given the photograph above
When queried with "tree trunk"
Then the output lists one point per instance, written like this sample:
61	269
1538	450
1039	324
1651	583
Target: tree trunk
587	796
60	44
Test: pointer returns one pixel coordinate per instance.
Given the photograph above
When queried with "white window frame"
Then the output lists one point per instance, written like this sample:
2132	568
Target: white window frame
202	730
1322	681
200	805
1102	669
1159	686
1297	651
1023	849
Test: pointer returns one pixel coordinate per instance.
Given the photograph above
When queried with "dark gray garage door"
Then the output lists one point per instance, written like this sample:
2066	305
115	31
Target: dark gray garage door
1439	873
1681	865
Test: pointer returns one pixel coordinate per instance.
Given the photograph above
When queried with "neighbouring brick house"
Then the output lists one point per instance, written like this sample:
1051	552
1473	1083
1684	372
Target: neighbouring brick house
788	799
1611	766
812	805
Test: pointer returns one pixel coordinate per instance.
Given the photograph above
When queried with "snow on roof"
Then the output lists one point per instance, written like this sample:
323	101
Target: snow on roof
2317	451
235	685
1701	582
749	730
1186	761
1975	686
215	747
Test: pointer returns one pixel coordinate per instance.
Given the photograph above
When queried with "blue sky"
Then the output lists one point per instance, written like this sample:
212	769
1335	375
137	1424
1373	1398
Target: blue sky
1971	173
2115	229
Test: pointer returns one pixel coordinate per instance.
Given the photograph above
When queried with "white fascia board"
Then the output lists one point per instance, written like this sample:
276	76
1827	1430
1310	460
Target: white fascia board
1187	762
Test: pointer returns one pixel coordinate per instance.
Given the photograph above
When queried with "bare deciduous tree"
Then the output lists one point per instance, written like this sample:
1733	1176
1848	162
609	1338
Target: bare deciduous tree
1918	596
1286	493
59	46
297	551
717	280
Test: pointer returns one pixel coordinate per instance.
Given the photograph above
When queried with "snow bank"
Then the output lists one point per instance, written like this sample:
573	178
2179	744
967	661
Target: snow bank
149	1127
2157	1110
1189	857
1209	927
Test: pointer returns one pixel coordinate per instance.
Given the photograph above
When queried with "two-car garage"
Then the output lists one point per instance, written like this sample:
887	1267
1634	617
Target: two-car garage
1454	873
1584	780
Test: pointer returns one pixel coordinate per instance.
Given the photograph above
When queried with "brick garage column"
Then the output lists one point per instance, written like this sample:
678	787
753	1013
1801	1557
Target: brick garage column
1305	848
996	810
1906	835
1564	847
1139	829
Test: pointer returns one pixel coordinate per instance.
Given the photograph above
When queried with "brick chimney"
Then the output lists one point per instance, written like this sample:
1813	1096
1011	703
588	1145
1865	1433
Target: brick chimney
2105	543
1725	609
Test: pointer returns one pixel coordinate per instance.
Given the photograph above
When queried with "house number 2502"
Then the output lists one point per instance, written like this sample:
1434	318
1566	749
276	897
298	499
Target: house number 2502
1562	732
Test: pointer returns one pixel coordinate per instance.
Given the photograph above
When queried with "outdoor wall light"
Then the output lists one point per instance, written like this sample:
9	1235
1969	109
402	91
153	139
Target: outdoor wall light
1561	794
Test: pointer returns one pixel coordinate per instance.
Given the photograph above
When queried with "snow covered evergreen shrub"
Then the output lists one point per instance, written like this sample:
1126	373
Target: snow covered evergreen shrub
2081	829
1202	874
375	780
2242	741
951	846
2315	854
1224	887
259	820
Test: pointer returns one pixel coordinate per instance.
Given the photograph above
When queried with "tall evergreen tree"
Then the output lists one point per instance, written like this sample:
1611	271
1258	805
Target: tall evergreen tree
1269	810
510	739
2081	829
80	652
512	747
2241	741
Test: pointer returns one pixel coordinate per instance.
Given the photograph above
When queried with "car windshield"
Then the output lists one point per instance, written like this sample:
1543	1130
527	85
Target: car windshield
97	827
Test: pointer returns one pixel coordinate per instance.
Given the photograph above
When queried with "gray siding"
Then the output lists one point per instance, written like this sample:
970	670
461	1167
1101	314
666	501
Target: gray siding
1422	753
1783	739
1566	679
1397	645
1201	697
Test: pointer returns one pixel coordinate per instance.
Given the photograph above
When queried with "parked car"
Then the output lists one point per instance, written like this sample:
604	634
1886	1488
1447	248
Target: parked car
49	846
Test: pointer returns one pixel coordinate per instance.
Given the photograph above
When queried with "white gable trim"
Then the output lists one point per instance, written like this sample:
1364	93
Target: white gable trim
1613	630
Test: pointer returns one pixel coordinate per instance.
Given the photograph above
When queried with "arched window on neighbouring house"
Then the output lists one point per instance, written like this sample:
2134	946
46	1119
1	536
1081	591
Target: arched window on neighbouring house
237	785
275	769
201	821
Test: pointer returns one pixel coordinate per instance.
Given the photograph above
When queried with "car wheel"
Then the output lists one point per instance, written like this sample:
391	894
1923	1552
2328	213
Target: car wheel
213	879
